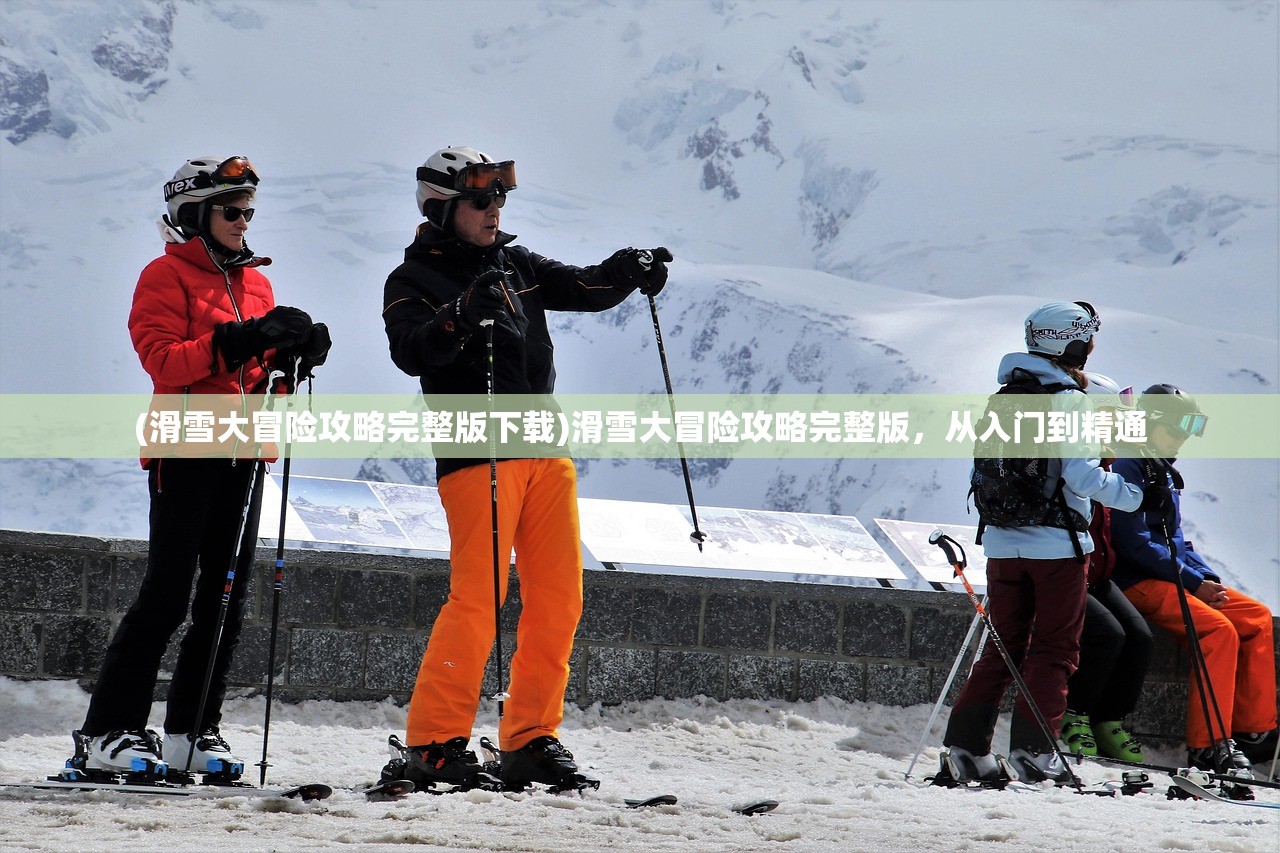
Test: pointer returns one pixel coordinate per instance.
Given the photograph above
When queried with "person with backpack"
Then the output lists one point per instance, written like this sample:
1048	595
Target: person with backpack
204	320
460	273
1234	631
1037	545
1115	643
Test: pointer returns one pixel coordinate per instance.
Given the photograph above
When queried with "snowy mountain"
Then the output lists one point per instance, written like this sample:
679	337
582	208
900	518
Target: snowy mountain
861	196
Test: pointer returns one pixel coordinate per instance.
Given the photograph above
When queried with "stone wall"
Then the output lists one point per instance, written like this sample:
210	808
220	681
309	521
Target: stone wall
354	625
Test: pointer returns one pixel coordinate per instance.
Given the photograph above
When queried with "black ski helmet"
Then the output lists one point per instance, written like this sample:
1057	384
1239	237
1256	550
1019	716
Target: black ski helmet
1174	408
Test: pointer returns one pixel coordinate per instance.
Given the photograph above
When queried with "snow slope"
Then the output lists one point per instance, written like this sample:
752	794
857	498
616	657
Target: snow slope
861	196
837	769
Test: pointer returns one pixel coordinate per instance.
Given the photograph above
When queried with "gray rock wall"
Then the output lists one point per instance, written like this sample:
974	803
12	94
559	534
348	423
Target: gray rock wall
354	626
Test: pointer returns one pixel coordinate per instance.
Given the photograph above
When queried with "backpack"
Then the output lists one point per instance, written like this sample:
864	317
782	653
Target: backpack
1009	491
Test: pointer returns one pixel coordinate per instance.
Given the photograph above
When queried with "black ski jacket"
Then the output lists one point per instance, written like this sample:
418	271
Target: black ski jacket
428	342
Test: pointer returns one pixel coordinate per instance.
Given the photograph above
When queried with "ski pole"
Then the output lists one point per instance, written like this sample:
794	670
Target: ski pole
645	259
276	589
501	696
1275	757
942	696
225	605
943	541
1199	668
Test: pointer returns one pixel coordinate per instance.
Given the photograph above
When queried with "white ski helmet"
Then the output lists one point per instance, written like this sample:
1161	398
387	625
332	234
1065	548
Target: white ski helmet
453	171
1063	330
1107	393
201	179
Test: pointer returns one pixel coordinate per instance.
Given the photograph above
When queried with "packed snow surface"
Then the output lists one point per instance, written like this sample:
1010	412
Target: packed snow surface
835	767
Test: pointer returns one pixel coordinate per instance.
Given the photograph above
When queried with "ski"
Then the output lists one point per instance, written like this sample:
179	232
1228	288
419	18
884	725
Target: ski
660	800
755	807
1200	792
388	789
306	793
1174	771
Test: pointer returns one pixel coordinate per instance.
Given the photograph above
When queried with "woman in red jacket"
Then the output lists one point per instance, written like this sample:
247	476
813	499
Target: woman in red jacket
204	321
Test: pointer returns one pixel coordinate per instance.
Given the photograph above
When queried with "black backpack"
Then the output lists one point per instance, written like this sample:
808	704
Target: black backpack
1008	490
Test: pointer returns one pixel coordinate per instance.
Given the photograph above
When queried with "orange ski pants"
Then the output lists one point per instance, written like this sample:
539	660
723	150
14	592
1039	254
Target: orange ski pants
538	514
1238	653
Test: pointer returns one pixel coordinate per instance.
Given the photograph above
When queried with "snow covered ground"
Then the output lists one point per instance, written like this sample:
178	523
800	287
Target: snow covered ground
836	767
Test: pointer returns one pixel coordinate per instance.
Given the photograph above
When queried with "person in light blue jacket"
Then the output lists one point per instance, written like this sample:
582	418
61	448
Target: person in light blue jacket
1036	575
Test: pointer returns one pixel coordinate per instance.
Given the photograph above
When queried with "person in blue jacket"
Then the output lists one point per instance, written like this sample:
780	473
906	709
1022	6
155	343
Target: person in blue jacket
1035	576
1235	631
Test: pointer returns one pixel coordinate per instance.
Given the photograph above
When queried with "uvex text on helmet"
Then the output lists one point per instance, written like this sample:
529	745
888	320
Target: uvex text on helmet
1062	330
199	180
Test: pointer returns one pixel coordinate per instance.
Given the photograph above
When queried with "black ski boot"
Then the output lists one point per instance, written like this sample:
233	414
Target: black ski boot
544	760
438	768
1223	757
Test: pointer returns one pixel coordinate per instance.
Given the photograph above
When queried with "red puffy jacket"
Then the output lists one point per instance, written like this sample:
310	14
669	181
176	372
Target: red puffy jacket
1103	559
179	299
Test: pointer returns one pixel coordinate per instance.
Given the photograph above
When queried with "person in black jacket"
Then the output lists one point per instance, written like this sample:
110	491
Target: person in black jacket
459	272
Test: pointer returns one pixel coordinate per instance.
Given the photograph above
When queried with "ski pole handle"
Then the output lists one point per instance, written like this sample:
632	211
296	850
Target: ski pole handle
644	258
943	541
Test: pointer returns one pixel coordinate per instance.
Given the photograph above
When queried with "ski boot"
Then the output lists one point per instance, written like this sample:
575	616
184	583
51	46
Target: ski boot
132	757
1040	767
211	758
543	760
1114	742
1222	757
1258	747
957	767
438	768
1077	734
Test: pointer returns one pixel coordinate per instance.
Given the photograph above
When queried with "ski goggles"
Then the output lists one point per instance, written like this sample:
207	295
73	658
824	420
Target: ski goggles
234	171
1121	400
231	213
1188	425
474	177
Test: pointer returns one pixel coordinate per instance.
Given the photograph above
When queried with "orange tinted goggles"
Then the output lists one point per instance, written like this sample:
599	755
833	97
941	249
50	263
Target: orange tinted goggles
486	176
235	170
474	177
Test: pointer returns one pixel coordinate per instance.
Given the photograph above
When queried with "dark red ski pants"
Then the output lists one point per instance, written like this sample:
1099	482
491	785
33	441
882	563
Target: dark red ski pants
1049	597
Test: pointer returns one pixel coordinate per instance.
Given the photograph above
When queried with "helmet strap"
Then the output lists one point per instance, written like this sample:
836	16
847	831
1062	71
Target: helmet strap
446	216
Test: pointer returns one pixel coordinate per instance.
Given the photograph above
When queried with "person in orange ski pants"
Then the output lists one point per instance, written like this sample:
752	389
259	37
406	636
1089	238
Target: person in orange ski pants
460	273
1235	631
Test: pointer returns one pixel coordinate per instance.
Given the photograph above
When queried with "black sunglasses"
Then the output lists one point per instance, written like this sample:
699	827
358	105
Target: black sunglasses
483	200
232	213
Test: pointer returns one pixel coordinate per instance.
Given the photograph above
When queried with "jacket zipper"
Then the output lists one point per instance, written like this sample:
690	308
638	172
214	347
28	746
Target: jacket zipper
235	309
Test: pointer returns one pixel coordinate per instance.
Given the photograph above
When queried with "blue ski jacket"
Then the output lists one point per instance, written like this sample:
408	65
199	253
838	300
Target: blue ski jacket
1142	550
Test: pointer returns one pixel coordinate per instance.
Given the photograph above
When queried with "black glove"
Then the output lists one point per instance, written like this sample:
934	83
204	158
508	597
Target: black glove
280	327
310	352
1156	499
639	269
483	300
